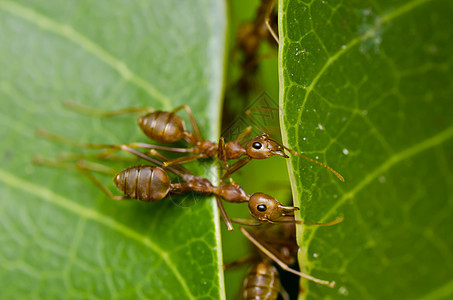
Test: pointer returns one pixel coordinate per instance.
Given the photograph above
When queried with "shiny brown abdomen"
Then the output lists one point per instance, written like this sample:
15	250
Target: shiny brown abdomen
262	282
162	126
146	183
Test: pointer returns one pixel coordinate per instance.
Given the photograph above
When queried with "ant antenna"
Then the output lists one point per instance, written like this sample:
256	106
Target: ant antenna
248	113
309	159
294	221
334	222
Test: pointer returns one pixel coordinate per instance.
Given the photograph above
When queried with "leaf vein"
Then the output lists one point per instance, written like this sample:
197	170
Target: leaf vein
84	42
386	165
93	215
368	34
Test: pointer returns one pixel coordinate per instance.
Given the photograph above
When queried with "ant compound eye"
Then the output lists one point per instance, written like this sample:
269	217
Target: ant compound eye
257	145
261	208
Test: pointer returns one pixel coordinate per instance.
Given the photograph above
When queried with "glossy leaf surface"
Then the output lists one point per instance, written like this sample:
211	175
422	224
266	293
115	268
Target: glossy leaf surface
61	236
367	88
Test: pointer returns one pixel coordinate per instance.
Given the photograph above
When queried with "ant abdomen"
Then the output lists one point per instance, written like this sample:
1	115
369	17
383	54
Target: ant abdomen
262	282
162	126
146	183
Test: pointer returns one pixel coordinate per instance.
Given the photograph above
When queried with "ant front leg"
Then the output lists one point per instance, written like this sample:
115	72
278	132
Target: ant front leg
105	113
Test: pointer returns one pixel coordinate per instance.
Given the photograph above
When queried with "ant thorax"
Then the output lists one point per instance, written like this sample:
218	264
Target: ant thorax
234	150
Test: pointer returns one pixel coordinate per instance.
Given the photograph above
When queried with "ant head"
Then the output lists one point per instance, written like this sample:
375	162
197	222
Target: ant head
262	146
266	208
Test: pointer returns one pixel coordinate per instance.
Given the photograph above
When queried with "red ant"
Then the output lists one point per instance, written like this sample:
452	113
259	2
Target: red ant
150	183
168	127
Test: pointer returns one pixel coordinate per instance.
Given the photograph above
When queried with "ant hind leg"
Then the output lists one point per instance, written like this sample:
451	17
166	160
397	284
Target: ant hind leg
83	168
105	113
86	168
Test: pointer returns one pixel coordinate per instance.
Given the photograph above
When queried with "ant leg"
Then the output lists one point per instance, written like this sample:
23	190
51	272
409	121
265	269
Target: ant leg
239	262
170	149
283	265
84	167
223	213
221	153
192	121
284	293
236	166
109	148
61	163
182	160
267	20
105	113
268	25
62	158
249	115
244	135
150	159
186	175
125	148
104	155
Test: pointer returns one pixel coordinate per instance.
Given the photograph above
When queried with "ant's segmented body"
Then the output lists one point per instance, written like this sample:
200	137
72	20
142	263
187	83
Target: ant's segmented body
262	282
151	183
168	127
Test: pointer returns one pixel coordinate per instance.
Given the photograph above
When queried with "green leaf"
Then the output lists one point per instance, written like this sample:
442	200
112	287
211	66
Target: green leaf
367	87
61	236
